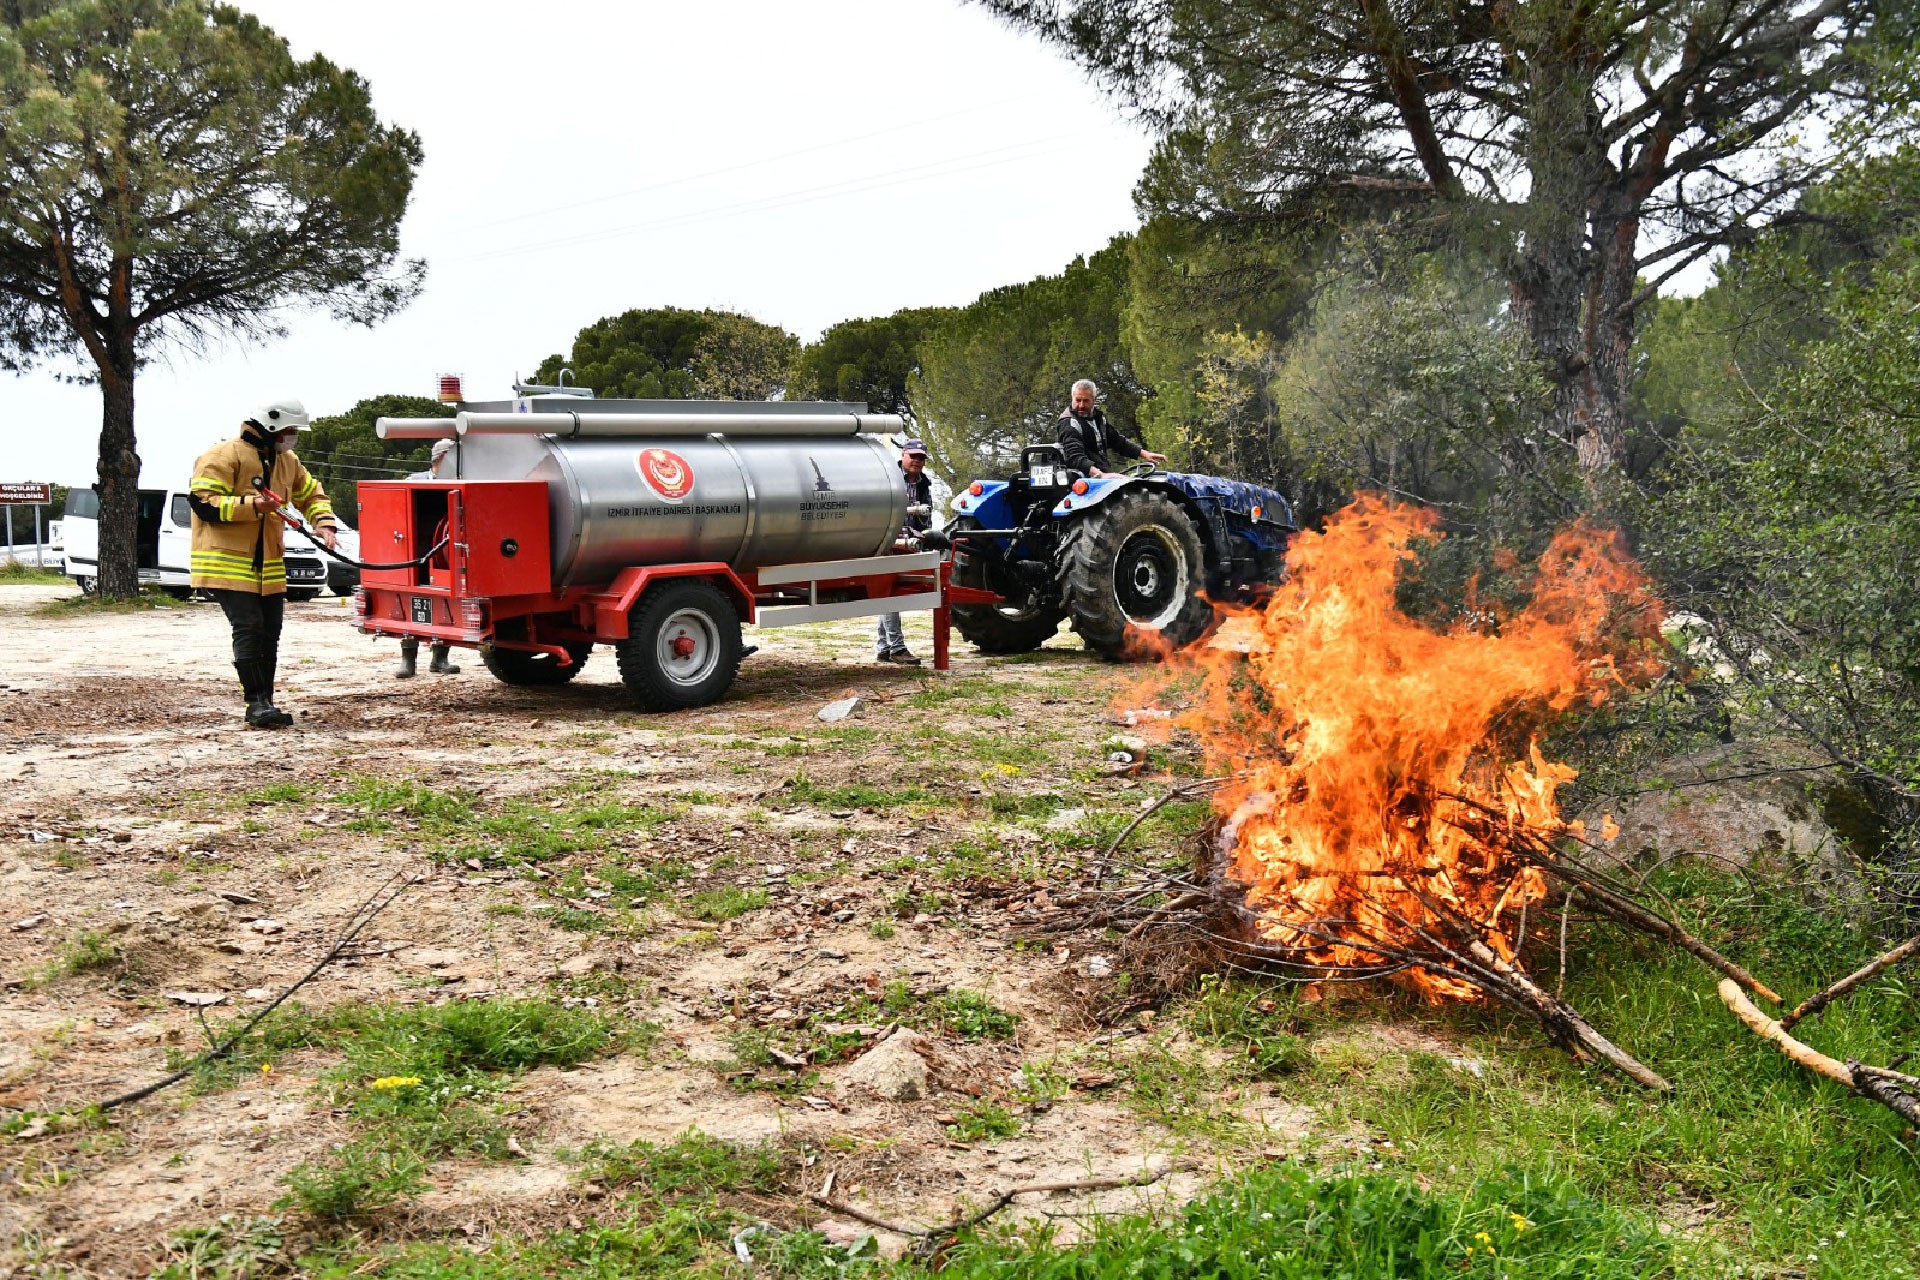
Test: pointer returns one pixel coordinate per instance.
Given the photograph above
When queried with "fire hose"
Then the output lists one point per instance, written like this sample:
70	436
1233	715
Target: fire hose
260	483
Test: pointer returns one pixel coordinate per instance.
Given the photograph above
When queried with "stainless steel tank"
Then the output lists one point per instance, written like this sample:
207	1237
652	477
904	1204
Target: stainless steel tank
747	503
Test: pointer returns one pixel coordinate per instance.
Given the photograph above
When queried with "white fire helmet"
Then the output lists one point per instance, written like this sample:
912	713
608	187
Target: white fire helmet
276	416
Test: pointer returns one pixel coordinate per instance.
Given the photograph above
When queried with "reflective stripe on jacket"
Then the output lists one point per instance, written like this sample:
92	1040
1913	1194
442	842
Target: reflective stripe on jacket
238	548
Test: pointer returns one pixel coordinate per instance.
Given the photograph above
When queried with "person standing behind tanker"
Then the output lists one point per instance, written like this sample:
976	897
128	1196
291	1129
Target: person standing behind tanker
890	643
410	645
239	540
1085	436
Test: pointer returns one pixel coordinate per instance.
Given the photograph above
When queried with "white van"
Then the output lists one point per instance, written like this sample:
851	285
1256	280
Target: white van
164	540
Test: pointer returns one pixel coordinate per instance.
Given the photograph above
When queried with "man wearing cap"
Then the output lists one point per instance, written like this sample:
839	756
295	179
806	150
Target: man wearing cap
891	644
1085	436
410	645
236	493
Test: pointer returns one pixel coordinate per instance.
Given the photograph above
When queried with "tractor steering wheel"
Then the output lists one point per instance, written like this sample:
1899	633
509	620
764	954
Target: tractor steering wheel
1137	469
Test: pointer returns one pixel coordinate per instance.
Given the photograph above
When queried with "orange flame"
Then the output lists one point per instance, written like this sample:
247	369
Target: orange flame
1367	747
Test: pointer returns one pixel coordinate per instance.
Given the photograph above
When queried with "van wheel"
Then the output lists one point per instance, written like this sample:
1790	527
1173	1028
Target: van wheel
88	585
682	648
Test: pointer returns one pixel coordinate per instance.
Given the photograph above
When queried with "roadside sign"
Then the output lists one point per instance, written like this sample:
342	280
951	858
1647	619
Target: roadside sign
25	495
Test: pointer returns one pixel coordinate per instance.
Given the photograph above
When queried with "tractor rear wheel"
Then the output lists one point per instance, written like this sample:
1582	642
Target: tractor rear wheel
683	646
532	670
997	628
1132	571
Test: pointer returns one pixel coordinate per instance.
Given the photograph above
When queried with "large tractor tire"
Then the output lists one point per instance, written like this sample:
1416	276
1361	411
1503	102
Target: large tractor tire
534	670
683	646
1132	572
998	628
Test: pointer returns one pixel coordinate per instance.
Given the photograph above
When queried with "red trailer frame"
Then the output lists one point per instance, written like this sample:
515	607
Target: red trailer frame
486	561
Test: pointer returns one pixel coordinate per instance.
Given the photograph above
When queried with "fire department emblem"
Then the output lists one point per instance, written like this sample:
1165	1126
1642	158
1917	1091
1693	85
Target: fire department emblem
666	473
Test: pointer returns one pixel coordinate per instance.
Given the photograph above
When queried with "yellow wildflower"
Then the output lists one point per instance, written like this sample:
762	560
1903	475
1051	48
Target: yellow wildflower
1520	1223
1483	1237
396	1082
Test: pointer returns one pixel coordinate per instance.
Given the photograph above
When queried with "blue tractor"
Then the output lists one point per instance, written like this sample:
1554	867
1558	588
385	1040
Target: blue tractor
1133	561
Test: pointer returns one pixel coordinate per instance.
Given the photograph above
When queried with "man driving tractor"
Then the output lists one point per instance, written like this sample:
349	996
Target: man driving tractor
1085	436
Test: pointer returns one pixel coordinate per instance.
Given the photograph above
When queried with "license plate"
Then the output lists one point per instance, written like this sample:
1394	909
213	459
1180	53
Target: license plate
422	609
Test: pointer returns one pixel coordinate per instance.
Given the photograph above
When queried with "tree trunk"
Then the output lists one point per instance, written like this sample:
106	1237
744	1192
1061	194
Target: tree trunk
119	473
1564	289
1607	339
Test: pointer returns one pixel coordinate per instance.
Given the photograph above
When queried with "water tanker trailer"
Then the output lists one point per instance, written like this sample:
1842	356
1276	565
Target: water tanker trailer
654	526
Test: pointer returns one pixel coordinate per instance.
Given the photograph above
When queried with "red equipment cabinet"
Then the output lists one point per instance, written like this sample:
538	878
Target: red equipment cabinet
676	627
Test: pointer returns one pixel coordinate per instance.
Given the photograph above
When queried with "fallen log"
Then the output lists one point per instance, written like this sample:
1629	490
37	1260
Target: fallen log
1882	1086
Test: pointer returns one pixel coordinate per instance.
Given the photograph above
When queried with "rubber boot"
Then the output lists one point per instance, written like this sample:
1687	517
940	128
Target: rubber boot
409	660
440	666
261	713
271	664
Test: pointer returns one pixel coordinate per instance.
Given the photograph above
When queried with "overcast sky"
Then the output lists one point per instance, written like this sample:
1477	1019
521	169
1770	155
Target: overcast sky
803	161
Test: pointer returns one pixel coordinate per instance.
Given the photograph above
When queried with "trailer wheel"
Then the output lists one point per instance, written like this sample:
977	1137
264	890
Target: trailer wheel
683	646
1132	567
534	670
997	628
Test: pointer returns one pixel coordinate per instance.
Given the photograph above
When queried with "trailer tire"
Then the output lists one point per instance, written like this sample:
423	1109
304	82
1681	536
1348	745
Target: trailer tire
526	670
1133	567
683	646
990	628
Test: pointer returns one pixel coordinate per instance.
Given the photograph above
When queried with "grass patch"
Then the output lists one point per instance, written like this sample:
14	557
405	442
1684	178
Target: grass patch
277	793
681	1205
1283	1224
981	1120
148	599
422	1083
227	1247
858	795
18	573
724	903
88	951
755	1070
971	1016
693	1164
686	1200
982	697
512	833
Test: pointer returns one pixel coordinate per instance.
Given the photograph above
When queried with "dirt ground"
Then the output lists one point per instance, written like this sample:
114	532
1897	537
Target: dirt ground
137	812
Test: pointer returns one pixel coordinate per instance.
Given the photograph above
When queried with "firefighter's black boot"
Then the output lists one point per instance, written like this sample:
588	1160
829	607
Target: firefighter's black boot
271	665
409	659
440	666
261	713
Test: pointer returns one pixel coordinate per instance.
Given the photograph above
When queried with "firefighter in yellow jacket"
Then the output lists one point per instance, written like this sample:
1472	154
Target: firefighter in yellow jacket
238	540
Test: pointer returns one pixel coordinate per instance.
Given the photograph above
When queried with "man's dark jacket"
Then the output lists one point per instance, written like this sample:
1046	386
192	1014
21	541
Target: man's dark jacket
1085	442
919	494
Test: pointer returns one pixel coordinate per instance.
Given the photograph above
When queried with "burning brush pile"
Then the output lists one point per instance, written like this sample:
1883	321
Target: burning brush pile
1385	811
